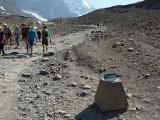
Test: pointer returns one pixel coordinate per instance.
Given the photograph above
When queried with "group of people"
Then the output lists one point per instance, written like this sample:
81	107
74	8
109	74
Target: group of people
29	36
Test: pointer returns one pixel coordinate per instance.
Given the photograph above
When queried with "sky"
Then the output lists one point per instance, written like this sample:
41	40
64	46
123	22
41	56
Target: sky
108	3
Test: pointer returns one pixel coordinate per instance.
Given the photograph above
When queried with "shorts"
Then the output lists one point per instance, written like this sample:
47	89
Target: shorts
31	42
7	39
45	41
24	37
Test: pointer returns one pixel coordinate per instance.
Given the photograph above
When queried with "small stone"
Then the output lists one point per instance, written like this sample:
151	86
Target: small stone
73	84
26	75
121	118
102	69
22	80
134	109
45	59
61	112
58	76
67	116
87	77
83	76
129	95
45	84
139	109
44	72
87	87
158	87
118	44
4	92
146	75
131	49
83	94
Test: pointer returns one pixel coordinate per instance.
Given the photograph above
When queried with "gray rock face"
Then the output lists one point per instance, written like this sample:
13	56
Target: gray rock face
9	7
55	8
49	8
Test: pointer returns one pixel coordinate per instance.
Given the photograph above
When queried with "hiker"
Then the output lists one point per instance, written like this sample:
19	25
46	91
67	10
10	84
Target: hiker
39	33
8	34
31	35
17	35
2	38
24	33
45	37
100	25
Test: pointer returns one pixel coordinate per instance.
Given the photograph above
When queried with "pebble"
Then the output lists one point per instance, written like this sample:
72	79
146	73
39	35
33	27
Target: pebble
129	95
146	75
139	109
26	75
58	76
158	87
83	94
67	116
44	72
45	59
61	112
73	84
87	87
21	80
131	49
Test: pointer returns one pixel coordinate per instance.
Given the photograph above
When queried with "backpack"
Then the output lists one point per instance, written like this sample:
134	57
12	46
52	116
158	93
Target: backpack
45	33
24	31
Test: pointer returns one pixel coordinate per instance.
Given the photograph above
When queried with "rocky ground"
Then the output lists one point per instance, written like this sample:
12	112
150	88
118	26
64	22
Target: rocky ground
61	85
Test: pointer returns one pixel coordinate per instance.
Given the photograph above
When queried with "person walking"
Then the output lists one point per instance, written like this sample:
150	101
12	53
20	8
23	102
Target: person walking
24	33
17	35
39	33
45	37
2	38
31	35
8	35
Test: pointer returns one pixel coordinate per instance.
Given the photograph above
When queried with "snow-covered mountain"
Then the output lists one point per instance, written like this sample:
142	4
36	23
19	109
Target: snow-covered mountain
50	9
80	7
9	7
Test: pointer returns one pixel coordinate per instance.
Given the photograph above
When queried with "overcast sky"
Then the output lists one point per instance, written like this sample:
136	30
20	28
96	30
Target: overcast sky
108	3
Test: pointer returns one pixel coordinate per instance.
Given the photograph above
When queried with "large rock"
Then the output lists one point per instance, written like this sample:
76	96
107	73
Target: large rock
111	96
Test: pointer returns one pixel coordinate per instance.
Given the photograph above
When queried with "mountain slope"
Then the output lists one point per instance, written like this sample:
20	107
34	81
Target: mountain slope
80	7
9	7
46	8
50	9
121	14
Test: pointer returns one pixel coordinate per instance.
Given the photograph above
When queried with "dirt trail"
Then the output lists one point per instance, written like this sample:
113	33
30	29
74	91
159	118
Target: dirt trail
16	61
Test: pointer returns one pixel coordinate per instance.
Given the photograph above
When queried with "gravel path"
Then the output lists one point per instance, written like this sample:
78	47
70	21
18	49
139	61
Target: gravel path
17	60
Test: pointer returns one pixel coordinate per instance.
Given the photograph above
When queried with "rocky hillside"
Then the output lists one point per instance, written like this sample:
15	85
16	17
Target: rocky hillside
9	7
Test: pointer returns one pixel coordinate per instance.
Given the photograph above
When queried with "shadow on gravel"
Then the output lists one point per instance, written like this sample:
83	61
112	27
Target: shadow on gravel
13	55
92	112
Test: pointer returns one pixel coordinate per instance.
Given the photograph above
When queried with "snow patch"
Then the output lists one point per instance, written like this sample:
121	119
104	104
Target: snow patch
86	4
35	14
2	8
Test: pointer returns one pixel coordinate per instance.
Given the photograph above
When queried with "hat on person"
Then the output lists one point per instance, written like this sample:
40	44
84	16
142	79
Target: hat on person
5	24
1	27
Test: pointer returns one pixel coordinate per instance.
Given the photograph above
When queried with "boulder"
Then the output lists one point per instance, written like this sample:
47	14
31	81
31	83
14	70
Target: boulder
111	96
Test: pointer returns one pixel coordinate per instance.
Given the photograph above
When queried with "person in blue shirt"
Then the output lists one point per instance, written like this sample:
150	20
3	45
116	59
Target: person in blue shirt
31	35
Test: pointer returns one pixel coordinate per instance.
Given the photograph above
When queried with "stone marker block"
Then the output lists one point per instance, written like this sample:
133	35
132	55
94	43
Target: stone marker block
111	96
